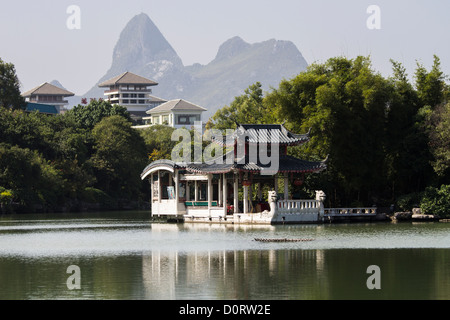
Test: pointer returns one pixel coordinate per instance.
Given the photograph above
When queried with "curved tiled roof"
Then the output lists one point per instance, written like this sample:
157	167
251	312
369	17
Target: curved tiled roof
264	134
286	164
253	134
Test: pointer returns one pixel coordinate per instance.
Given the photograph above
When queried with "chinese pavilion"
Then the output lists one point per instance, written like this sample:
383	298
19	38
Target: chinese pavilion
209	192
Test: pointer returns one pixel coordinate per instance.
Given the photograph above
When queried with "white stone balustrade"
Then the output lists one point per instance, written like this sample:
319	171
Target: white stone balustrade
298	206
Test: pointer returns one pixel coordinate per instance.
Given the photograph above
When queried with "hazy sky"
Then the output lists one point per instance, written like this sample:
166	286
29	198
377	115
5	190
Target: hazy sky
34	35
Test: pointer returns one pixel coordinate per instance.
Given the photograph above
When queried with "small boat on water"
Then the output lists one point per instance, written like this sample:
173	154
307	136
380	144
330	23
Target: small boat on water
282	240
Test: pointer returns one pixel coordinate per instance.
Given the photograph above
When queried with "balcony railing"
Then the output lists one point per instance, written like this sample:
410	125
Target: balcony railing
137	103
126	90
52	102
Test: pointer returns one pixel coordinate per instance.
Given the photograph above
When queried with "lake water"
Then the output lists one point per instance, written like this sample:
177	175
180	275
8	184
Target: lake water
126	257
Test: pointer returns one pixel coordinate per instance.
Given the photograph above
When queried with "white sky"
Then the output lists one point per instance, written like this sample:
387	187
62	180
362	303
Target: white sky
35	38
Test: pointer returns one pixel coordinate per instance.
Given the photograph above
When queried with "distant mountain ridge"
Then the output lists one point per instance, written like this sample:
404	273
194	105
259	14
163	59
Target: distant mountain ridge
143	50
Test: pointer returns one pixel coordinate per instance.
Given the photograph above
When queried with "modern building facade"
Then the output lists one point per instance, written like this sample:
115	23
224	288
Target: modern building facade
48	94
133	92
176	113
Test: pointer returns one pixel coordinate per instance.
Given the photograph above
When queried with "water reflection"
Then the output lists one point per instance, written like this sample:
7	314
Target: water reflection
270	274
249	274
296	274
130	258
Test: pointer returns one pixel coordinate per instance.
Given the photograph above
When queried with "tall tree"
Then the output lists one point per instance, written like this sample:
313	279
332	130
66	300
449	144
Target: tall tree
439	140
344	102
433	93
407	155
247	108
296	97
120	154
431	86
10	96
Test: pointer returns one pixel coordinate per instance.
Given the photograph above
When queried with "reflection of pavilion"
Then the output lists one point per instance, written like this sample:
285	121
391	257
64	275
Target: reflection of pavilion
235	274
202	192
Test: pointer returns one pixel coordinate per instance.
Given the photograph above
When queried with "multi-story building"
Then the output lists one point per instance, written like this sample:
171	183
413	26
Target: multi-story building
131	91
48	94
176	113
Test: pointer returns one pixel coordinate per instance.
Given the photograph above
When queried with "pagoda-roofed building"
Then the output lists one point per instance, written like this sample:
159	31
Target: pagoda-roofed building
48	94
209	192
131	91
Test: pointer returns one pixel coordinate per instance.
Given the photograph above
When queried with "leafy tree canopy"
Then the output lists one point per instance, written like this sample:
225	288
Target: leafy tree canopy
89	115
247	108
376	130
120	156
10	96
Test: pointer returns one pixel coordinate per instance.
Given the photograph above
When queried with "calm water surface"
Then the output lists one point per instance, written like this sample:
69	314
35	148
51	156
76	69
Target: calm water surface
124	256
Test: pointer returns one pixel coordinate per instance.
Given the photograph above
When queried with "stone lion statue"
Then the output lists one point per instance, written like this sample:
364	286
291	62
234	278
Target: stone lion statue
320	195
273	197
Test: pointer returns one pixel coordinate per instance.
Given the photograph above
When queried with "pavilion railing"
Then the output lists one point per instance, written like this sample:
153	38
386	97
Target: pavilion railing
298	206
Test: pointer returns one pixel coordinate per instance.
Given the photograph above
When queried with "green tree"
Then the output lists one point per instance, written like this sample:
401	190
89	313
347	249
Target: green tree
344	103
439	140
87	116
10	96
158	142
380	134
32	179
295	97
57	139
245	109
25	130
431	87
120	154
433	93
436	201
407	155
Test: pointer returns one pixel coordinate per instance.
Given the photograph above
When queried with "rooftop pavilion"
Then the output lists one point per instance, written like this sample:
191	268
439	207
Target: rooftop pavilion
48	94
